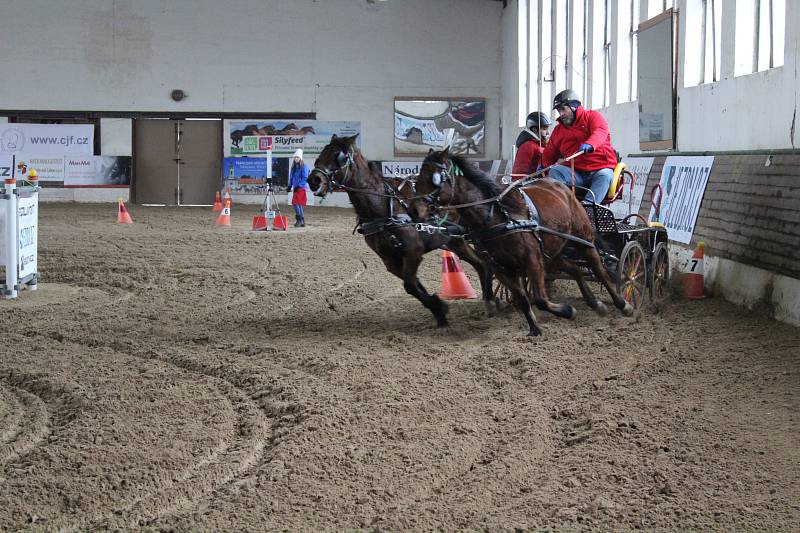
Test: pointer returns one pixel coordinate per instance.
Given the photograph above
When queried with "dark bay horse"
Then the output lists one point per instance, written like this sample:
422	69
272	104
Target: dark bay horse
382	208
500	225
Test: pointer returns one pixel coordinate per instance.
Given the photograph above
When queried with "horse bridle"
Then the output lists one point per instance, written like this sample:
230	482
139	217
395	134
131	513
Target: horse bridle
442	175
343	163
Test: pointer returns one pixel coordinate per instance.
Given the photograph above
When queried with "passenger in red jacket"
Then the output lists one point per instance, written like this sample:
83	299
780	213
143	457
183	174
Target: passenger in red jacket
530	144
583	130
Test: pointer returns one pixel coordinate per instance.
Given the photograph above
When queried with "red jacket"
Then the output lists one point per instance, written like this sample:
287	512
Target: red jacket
529	156
589	128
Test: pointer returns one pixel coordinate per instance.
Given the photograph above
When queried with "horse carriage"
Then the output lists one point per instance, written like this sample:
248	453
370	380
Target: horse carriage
634	251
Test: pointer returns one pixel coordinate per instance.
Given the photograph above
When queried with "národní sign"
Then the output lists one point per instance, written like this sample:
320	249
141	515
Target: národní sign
19	215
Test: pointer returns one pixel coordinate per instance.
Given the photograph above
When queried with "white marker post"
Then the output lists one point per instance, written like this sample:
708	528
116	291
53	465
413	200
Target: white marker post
11	237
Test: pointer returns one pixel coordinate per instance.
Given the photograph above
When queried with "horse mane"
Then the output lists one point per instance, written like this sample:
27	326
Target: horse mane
485	184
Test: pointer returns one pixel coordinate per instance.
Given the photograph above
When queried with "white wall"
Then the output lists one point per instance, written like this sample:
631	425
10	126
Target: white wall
343	59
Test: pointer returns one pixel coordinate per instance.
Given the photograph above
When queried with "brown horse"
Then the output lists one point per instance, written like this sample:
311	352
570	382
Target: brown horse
382	208
499	223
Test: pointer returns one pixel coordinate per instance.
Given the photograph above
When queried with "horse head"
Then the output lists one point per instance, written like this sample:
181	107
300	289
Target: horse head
434	184
333	166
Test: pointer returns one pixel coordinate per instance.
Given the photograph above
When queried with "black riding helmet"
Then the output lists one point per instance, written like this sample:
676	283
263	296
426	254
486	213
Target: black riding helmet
567	97
537	120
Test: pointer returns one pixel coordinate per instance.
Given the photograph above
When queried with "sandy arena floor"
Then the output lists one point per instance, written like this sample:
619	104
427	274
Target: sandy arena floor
172	375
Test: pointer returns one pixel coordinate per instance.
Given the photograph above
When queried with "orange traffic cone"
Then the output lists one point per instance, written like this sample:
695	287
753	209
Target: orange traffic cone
224	218
123	217
455	285
693	278
217	203
227	196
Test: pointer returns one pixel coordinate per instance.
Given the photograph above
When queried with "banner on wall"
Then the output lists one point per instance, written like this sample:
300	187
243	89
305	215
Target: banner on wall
54	140
49	169
97	171
6	166
245	174
683	184
631	200
392	169
282	137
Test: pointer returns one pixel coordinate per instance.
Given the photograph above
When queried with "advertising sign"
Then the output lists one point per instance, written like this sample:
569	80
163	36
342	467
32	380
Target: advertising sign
97	171
27	210
631	201
47	140
49	169
683	183
6	166
245	174
282	137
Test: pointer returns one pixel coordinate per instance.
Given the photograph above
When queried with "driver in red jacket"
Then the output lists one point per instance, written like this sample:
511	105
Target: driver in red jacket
583	130
530	144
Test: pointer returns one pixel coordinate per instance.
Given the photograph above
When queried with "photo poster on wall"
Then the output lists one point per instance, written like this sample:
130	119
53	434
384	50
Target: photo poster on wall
631	199
283	137
422	123
683	184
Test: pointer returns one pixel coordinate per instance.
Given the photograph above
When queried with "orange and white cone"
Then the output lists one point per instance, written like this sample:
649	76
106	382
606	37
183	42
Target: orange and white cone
224	218
217	203
227	197
455	285
693	278
123	217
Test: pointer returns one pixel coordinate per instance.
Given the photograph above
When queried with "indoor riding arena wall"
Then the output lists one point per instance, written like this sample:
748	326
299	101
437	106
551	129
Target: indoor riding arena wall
750	222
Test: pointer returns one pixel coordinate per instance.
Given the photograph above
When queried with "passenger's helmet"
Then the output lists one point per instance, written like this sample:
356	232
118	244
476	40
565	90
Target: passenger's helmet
567	97
537	120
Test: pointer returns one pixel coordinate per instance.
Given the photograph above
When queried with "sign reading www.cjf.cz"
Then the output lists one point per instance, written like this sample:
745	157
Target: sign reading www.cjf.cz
683	184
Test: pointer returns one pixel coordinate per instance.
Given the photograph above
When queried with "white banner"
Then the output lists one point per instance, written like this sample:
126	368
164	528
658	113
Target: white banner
6	166
27	210
47	139
631	202
402	169
683	183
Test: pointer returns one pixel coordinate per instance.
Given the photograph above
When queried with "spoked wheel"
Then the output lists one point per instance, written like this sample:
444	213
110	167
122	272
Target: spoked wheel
501	293
659	273
632	274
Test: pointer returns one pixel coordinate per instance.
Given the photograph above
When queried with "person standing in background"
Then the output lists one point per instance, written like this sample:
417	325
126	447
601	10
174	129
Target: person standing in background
298	176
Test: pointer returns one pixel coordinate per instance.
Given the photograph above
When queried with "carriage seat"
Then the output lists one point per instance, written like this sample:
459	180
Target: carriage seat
617	184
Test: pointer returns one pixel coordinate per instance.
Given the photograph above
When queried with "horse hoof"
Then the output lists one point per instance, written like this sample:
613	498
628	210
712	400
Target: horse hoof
600	308
570	313
535	332
628	309
441	330
490	309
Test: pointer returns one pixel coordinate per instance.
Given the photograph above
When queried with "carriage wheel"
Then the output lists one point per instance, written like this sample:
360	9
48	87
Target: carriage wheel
659	273
632	274
500	292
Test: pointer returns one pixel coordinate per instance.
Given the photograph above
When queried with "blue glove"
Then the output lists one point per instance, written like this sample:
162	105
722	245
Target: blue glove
586	148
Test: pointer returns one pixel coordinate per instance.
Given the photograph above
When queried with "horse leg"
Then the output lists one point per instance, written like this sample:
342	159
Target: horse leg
405	268
565	265
482	267
593	258
521	301
540	300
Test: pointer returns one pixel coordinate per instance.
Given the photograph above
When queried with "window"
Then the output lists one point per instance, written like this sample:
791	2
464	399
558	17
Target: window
712	45
522	61
760	35
703	35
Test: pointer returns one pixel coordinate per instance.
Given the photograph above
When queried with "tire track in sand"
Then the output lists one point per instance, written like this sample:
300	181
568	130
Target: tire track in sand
25	427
